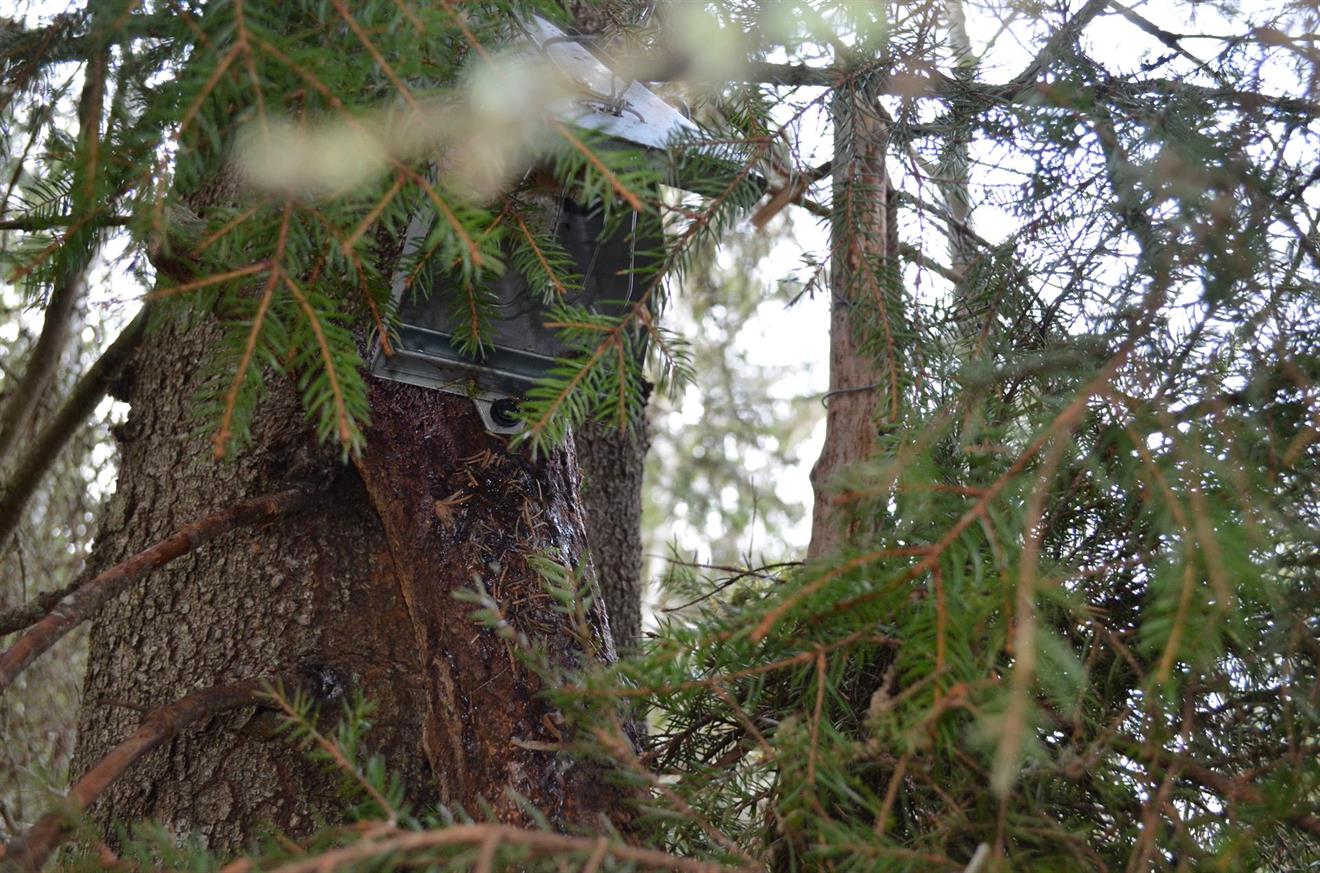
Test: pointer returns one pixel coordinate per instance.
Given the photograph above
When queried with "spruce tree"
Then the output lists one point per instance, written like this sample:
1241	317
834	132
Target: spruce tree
1059	609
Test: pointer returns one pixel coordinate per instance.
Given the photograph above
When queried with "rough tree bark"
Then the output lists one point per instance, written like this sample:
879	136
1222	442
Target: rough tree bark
358	590
612	471
863	385
316	591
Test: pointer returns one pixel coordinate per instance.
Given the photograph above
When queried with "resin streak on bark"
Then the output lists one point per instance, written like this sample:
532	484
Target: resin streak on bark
465	512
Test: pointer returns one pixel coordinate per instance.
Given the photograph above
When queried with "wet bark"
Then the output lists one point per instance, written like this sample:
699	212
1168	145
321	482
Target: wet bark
864	377
462	511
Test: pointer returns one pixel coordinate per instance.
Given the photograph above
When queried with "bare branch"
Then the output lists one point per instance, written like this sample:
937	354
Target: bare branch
1056	45
1029	84
19	405
791	75
28	614
539	842
1230	788
33	225
42	451
84	602
30	851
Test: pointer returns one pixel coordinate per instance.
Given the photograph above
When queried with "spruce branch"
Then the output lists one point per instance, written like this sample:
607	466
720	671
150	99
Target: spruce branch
211	280
347	431
424	844
291	706
475	257
1061	423
559	127
225	432
404	92
554	406
1232	789
555	282
348	243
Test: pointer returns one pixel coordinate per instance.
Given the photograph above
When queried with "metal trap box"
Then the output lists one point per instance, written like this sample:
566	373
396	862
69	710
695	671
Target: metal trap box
522	348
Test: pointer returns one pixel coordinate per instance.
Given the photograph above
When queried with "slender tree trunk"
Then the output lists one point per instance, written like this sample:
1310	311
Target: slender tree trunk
612	471
613	463
864	378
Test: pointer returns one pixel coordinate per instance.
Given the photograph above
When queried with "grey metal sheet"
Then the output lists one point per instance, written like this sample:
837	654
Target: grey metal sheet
523	348
614	106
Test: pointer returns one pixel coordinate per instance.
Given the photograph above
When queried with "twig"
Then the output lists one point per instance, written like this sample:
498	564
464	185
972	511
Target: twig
759	572
30	851
85	601
31	468
1030	82
792	191
334	752
1230	788
28	614
33	224
538	842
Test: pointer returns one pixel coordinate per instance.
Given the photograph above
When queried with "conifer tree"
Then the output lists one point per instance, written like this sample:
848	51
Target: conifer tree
1059	609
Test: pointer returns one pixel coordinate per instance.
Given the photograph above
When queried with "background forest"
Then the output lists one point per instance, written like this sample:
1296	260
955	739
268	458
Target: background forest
1057	611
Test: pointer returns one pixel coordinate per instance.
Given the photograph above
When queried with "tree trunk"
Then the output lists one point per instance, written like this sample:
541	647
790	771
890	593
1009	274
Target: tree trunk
613	463
461	511
358	590
315	591
612	471
864	378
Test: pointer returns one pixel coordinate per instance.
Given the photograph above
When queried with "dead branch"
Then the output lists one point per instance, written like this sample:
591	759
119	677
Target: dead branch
1230	788
34	225
1030	83
28	614
29	852
393	842
87	599
31	468
68	287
